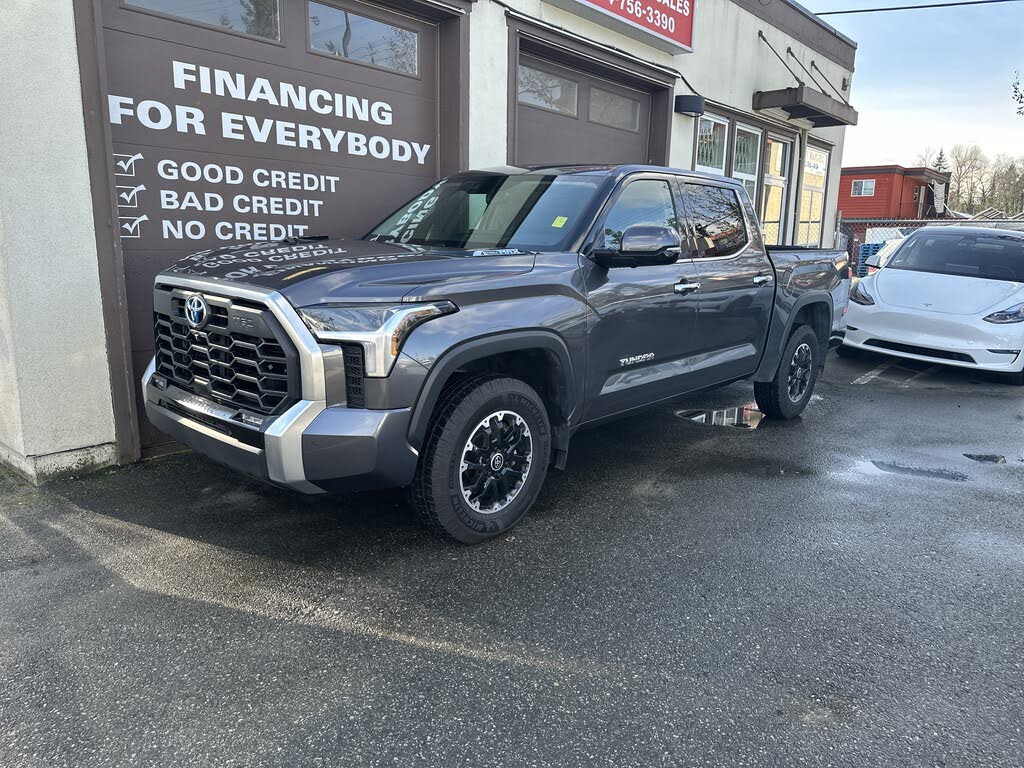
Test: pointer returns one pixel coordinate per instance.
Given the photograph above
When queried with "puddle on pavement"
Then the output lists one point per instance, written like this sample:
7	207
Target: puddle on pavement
743	416
986	458
872	467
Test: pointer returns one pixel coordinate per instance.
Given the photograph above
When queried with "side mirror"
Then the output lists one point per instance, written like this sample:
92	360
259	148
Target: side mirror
643	246
873	261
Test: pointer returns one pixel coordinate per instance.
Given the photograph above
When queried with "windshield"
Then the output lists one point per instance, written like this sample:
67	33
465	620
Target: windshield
529	212
992	257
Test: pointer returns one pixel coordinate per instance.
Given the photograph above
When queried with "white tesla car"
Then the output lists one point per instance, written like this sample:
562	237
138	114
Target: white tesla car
951	295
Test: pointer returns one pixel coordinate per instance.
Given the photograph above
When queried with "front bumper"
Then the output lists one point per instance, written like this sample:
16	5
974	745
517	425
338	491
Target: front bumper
964	342
312	447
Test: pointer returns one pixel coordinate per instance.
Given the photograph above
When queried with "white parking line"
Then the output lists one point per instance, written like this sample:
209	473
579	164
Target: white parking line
872	375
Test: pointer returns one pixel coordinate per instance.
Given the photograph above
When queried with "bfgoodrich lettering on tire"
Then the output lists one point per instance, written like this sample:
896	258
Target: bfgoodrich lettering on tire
485	458
787	394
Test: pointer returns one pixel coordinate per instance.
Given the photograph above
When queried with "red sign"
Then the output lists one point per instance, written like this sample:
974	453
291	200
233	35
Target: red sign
671	20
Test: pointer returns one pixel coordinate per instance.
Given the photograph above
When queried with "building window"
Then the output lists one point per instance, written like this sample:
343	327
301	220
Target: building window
812	198
746	158
717	218
614	110
863	188
348	35
547	91
776	190
711	143
251	17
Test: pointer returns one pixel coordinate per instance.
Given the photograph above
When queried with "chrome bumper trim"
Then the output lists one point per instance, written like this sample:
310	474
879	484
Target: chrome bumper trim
283	438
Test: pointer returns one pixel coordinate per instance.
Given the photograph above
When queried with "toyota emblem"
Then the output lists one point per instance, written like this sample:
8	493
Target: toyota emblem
197	312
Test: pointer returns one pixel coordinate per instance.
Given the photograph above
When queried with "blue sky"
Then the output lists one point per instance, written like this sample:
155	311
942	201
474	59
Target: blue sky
933	77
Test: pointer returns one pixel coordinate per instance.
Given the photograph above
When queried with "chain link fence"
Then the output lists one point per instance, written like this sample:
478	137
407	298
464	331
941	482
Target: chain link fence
864	237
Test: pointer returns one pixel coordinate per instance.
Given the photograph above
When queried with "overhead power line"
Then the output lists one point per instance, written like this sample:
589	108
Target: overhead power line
913	7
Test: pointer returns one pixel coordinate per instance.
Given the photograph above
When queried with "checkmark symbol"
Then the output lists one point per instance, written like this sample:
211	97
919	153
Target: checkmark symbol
126	196
131	226
126	163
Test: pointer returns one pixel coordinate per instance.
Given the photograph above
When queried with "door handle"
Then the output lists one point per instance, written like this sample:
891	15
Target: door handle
684	288
762	279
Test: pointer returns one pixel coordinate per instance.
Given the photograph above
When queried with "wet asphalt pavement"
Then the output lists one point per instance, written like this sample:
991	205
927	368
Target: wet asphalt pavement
845	589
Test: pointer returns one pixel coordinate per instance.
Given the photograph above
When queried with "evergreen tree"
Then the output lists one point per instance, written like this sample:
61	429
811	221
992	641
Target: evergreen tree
940	164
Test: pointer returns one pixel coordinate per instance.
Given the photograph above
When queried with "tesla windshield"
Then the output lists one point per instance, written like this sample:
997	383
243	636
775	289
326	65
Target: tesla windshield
486	211
992	257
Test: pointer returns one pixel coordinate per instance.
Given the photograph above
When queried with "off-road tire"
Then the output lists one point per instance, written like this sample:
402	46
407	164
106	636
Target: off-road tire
436	493
773	397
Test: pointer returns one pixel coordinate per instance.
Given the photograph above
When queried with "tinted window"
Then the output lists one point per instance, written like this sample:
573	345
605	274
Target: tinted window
348	35
717	218
647	202
253	17
993	257
484	211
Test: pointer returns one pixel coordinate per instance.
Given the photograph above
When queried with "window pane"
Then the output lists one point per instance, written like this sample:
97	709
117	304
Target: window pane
253	17
815	168
778	157
747	149
717	218
614	110
642	203
711	145
542	89
771	213
358	38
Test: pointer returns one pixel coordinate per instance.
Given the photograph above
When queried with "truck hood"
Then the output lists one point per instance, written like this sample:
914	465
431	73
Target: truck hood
324	271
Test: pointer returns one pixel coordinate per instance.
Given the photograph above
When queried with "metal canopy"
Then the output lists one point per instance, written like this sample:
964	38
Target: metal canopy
808	104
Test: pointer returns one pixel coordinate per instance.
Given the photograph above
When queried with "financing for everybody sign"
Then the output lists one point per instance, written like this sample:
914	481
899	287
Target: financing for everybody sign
671	20
213	149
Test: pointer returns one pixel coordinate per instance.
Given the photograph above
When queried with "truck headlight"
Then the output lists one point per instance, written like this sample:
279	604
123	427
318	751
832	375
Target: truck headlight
380	328
860	296
1014	314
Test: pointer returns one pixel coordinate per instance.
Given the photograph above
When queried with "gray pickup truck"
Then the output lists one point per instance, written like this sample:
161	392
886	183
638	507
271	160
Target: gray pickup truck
457	347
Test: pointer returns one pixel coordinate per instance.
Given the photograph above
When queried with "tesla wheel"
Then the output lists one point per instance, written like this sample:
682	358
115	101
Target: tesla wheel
787	394
485	458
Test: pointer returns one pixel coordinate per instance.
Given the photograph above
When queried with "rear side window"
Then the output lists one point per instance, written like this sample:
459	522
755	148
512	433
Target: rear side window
647	202
717	217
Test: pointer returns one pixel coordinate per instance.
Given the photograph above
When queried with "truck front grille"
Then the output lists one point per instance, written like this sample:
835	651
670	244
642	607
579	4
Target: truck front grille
253	370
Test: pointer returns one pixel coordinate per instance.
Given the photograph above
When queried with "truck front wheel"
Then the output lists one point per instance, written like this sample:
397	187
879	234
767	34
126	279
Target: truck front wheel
787	394
485	458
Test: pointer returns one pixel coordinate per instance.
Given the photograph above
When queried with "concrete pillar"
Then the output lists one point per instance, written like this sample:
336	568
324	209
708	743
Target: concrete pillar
55	405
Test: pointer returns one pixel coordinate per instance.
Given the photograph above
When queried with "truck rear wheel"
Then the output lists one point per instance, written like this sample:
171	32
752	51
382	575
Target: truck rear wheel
485	458
787	394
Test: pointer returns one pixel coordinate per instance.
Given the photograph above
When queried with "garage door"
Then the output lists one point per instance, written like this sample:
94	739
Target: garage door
564	115
244	120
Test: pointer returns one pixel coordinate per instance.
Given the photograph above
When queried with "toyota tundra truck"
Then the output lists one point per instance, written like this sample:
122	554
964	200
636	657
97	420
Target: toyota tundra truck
457	347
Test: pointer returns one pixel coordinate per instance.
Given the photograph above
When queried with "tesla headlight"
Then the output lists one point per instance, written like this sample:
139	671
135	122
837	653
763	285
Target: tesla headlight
1014	314
860	296
380	328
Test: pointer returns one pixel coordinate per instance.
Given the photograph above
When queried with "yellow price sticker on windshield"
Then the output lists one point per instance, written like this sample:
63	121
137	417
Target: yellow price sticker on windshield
559	222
